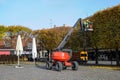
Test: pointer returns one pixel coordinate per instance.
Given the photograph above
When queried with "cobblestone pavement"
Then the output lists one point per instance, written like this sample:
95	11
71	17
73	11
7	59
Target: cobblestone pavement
32	72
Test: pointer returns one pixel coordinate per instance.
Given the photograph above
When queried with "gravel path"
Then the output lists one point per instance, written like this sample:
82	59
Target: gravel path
32	72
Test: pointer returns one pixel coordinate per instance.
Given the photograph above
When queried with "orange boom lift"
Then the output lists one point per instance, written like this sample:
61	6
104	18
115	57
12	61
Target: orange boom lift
60	58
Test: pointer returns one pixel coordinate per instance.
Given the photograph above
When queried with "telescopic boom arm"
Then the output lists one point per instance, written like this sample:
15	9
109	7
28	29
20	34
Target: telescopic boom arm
67	37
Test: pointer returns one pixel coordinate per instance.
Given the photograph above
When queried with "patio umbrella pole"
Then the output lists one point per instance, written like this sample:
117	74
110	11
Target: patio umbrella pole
18	60
34	61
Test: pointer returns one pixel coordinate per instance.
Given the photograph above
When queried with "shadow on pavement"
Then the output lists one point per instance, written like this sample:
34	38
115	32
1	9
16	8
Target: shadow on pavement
105	66
97	64
40	66
100	63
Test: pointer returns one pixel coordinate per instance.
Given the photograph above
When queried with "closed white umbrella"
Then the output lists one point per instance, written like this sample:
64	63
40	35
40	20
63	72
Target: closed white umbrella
34	49
19	49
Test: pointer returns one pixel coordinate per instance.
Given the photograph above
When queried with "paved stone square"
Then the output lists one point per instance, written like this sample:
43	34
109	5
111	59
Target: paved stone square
38	72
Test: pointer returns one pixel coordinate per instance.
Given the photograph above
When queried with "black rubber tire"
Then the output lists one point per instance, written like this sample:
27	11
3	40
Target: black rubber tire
85	62
59	66
48	65
74	65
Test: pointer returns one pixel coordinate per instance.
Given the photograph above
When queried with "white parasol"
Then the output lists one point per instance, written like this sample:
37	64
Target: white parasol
19	49
34	50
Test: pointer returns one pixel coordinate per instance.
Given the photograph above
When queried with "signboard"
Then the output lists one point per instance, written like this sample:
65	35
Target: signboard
4	52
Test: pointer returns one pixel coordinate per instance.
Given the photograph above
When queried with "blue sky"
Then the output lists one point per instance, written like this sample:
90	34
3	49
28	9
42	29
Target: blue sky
39	14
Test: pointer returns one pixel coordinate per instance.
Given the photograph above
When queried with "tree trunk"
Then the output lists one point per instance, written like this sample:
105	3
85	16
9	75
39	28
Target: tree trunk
117	53
117	57
96	56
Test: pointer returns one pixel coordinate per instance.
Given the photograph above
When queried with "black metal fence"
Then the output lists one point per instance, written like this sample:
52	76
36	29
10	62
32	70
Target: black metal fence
11	59
8	59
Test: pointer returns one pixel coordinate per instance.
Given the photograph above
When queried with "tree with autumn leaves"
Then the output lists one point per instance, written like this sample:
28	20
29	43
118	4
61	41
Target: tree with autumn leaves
51	38
9	34
106	28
